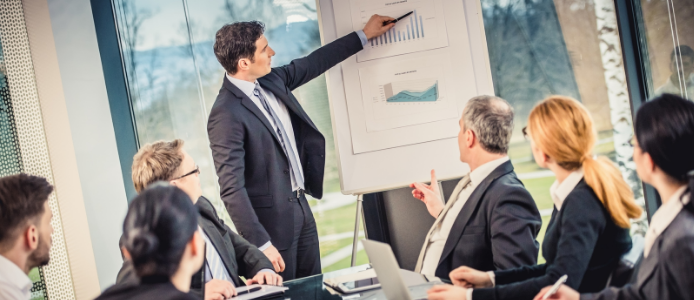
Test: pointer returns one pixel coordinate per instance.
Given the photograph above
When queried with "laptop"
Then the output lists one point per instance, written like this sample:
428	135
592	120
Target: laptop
393	285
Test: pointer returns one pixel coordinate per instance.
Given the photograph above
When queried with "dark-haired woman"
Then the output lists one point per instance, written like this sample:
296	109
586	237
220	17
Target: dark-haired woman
164	245
663	152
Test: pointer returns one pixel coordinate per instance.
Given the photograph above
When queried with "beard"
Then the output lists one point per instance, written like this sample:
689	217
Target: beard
40	257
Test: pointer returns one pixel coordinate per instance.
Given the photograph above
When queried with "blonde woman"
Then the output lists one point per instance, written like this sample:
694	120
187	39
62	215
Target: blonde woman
589	228
663	153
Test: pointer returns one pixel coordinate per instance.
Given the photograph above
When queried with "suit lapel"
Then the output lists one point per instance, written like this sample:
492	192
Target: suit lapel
215	231
455	193
649	264
281	94
248	104
471	207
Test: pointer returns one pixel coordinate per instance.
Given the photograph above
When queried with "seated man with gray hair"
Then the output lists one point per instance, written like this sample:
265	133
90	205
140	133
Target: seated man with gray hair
490	221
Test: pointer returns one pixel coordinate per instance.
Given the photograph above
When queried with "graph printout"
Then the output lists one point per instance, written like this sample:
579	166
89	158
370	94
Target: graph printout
405	93
420	31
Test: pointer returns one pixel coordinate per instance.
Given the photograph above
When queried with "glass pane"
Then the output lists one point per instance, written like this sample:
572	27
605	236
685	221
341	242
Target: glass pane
165	92
11	160
566	47
668	28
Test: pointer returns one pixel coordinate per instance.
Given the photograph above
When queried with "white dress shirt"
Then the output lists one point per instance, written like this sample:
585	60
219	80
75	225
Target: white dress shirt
558	191
436	245
663	217
280	110
14	284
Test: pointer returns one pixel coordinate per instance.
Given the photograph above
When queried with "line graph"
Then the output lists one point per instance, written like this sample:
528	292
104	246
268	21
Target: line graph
430	94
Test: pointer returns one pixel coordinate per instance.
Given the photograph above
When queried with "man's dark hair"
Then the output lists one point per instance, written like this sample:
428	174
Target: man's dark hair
682	51
159	224
235	42
664	129
22	199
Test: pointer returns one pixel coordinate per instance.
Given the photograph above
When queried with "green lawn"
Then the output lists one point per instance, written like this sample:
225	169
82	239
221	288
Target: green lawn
35	277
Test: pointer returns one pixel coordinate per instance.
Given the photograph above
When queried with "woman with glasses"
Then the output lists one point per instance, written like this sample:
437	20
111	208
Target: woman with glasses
663	152
588	230
165	247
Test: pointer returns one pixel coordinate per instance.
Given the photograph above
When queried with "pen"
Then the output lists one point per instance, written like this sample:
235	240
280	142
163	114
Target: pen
397	19
249	290
555	287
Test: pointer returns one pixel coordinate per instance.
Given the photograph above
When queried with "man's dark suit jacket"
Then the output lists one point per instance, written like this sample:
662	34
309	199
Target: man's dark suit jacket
582	241
238	255
251	164
496	228
667	272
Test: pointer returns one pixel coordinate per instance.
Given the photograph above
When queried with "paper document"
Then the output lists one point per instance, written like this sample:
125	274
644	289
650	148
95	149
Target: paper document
405	93
264	291
420	31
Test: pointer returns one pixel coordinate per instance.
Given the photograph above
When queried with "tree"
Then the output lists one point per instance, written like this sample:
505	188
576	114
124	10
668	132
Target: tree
618	97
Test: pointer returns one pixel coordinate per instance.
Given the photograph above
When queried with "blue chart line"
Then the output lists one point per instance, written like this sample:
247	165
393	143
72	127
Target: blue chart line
428	95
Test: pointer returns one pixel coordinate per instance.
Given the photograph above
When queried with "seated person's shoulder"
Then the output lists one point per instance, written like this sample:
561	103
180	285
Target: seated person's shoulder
509	186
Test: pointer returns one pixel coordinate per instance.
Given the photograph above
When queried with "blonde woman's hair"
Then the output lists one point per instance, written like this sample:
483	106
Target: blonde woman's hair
156	161
562	128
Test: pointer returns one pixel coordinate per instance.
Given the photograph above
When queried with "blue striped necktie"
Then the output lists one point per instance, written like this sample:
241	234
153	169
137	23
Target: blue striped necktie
282	137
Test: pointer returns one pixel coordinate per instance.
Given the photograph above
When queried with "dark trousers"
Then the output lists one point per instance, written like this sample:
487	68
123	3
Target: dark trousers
303	258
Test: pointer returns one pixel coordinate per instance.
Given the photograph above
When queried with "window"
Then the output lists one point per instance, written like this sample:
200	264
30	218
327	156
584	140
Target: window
536	47
667	27
565	47
174	79
11	162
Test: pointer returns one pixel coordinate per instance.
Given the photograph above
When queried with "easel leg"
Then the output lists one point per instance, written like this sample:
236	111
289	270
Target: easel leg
356	236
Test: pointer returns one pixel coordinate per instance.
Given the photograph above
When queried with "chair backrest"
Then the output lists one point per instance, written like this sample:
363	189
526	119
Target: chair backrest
625	270
408	222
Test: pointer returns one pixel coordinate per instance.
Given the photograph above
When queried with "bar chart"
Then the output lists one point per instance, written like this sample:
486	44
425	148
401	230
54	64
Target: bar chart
414	30
424	29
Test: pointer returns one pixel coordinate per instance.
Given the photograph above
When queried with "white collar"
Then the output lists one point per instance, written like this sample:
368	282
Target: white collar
559	191
663	217
479	174
246	87
12	274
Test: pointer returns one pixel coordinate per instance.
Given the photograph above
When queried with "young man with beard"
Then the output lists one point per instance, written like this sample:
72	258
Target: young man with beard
25	232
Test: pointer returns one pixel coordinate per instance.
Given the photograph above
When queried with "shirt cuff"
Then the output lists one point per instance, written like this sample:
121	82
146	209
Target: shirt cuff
265	246
266	270
469	293
492	276
363	37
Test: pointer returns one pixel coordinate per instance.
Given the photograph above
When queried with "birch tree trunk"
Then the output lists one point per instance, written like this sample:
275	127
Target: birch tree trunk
618	98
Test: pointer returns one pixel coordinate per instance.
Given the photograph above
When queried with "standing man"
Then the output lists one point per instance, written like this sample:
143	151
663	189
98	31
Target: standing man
25	232
267	151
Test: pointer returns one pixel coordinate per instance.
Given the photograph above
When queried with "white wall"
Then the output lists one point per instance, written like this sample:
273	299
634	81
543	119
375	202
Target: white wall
92	131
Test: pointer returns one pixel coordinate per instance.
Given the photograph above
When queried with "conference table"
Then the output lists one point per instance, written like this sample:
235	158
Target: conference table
312	287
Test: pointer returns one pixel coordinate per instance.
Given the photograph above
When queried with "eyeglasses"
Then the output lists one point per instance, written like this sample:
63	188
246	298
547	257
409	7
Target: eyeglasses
525	133
196	170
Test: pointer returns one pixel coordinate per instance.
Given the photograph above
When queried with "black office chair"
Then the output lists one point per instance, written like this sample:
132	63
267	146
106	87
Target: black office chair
626	270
